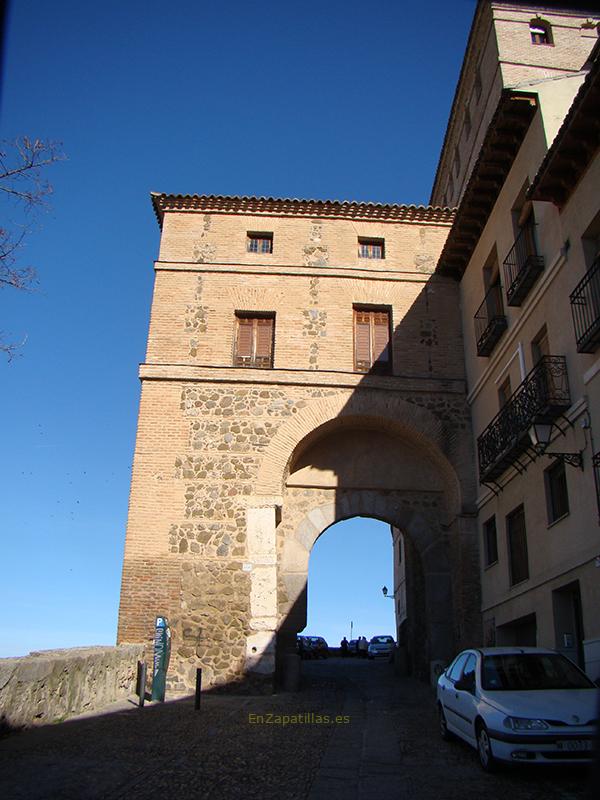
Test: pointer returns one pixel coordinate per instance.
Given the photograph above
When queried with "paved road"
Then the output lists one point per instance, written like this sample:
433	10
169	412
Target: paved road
273	747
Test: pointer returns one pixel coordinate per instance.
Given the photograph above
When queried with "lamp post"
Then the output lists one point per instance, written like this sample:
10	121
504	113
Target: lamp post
384	591
540	434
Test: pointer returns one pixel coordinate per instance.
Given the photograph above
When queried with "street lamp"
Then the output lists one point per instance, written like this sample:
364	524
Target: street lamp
540	434
384	591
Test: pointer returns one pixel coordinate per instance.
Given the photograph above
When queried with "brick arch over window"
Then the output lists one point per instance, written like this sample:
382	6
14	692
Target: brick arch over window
407	420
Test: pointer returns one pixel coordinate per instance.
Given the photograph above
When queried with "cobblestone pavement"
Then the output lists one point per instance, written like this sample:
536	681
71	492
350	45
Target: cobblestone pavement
270	747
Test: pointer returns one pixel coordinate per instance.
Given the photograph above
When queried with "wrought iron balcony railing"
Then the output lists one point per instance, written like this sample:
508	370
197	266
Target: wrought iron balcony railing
541	398
522	266
585	307
490	321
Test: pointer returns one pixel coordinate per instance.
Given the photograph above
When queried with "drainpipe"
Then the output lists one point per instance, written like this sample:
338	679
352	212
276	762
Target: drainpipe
521	355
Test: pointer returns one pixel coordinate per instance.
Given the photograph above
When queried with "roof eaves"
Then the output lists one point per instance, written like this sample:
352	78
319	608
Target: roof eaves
574	145
502	142
333	209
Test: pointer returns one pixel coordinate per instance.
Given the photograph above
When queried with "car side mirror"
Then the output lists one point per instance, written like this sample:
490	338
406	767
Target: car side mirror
465	685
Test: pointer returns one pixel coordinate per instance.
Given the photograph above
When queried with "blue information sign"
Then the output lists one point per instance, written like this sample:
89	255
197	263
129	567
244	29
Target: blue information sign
162	652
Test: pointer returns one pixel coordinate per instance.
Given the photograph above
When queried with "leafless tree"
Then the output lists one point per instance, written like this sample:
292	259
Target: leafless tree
24	191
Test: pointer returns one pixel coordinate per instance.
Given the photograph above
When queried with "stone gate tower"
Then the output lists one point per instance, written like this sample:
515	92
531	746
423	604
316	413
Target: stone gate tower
304	365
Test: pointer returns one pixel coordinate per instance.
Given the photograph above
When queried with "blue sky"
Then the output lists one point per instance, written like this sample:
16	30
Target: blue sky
341	100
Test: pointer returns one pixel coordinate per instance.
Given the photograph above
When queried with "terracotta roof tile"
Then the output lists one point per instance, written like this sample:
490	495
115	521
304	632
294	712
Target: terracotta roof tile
293	207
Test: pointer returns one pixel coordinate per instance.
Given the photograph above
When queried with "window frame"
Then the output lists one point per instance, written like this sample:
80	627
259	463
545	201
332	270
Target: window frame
254	361
261	238
540	32
556	473
369	242
487	527
376	366
511	544
504	392
540	345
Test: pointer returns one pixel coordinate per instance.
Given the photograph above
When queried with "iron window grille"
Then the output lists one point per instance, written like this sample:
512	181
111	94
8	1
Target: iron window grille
585	308
259	242
371	248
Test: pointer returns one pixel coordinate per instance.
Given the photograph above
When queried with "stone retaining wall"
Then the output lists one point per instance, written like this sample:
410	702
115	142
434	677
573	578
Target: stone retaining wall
51	685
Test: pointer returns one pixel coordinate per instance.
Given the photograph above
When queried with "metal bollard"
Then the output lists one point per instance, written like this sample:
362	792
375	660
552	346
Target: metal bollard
141	683
198	689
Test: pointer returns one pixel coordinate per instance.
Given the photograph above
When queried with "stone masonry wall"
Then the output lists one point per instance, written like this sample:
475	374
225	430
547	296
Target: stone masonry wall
53	685
201	543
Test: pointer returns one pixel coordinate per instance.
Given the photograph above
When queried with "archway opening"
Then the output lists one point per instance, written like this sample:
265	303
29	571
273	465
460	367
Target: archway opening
349	564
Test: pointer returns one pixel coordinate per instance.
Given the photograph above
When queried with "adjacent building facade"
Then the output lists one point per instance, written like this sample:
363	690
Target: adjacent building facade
311	361
524	246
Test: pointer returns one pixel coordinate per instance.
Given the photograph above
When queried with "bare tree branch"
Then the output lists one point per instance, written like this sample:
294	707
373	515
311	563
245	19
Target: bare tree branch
23	188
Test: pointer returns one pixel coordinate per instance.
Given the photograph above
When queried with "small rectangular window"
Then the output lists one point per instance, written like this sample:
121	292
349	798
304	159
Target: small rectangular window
370	248
254	340
490	541
371	340
259	242
516	535
504	392
456	160
467	123
540	31
557	496
540	346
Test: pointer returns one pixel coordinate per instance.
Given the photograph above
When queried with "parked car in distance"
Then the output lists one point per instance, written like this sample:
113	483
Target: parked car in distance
315	647
519	705
353	647
301	648
381	646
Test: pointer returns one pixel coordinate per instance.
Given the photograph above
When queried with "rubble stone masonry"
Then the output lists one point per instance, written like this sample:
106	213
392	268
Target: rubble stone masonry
210	506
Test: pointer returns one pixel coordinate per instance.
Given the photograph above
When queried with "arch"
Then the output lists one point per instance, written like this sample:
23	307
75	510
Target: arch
427	539
404	419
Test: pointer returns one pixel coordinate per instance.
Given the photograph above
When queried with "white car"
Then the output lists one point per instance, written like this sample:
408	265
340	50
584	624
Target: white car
381	646
519	704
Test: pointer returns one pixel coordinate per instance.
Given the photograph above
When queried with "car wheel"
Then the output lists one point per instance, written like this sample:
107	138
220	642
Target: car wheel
444	732
484	749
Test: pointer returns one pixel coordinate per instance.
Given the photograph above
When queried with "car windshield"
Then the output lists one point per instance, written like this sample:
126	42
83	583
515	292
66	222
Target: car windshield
381	640
530	671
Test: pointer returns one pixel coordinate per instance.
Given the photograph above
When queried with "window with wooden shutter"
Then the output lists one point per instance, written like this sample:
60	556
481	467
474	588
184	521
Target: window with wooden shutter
371	340
254	341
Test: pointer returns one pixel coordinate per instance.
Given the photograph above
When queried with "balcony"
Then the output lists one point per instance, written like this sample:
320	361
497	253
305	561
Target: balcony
585	307
522	266
541	398
490	322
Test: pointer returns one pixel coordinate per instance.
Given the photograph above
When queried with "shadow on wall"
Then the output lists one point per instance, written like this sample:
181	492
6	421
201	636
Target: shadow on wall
397	448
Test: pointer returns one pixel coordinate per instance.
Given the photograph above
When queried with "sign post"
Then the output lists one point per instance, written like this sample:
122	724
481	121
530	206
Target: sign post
162	652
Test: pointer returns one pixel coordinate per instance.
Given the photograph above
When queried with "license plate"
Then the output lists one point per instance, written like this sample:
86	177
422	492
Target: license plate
574	744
